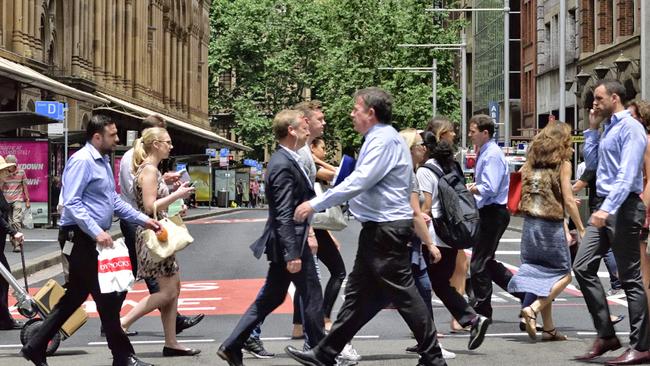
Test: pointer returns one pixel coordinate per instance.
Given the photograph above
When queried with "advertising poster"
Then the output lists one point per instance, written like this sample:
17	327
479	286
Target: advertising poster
200	175
32	157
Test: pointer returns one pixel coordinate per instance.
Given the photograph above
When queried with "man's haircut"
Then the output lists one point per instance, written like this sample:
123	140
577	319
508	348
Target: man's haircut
308	106
154	120
613	87
284	119
379	100
97	124
483	122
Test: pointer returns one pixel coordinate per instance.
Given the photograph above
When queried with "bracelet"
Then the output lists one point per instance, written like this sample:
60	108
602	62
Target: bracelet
312	235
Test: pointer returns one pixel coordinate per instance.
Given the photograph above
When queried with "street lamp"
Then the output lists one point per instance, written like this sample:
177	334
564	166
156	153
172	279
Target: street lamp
601	71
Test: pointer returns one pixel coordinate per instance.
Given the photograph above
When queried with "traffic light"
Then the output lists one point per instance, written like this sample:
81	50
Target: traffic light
230	159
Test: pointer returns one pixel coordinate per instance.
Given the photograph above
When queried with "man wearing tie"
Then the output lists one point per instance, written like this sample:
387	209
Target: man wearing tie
283	240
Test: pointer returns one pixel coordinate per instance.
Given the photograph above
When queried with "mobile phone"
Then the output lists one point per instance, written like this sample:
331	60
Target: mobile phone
192	184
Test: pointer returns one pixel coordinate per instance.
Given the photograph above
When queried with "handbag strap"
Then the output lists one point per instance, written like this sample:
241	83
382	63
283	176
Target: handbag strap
155	211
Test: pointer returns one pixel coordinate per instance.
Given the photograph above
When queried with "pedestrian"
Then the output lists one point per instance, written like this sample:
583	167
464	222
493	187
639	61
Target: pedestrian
14	188
239	193
151	194
546	197
89	200
322	243
616	224
491	193
379	191
6	321
421	238
439	141
255	191
129	231
283	240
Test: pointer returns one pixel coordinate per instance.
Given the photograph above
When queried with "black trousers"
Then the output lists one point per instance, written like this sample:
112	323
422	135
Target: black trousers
129	231
272	295
621	234
483	267
440	275
5	316
83	281
382	271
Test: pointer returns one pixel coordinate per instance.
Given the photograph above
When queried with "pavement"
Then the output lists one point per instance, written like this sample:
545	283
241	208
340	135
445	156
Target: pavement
41	248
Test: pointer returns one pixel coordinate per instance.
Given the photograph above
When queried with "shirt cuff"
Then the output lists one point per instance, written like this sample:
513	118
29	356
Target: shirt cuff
590	133
317	204
142	219
608	206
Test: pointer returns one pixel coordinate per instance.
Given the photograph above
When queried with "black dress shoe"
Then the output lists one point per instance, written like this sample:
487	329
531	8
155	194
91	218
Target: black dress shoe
133	360
304	357
173	352
14	325
233	357
31	356
184	322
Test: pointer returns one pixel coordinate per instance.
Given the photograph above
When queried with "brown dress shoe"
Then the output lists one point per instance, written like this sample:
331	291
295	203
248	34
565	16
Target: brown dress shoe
599	347
630	357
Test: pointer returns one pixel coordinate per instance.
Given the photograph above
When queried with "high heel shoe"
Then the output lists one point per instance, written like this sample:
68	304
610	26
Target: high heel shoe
173	352
530	317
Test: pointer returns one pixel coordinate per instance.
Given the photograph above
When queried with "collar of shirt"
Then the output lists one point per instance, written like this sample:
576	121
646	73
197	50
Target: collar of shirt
486	146
298	160
616	118
95	153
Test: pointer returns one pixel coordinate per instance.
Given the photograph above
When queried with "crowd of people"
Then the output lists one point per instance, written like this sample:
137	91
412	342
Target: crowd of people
400	191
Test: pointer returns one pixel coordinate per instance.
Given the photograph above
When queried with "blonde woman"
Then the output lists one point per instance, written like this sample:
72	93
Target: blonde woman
545	197
150	189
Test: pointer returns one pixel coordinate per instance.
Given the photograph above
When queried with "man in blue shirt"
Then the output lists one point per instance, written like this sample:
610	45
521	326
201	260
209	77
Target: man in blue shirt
378	191
491	193
615	224
90	200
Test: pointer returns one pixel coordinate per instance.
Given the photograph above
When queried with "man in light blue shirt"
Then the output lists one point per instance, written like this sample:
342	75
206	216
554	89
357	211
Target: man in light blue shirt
615	224
90	199
379	191
491	193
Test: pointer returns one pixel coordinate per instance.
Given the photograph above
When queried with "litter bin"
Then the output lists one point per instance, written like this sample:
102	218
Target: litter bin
222	198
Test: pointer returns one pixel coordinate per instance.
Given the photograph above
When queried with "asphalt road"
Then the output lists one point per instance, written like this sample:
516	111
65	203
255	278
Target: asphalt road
221	277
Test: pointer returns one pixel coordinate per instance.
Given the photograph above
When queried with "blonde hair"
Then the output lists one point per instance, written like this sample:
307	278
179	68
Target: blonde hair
284	119
550	147
439	125
142	146
410	136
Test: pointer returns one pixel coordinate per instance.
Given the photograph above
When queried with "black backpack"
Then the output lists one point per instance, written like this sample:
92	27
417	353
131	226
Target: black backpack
459	225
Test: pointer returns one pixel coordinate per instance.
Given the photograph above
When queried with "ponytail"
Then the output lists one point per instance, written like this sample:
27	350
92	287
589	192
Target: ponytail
138	155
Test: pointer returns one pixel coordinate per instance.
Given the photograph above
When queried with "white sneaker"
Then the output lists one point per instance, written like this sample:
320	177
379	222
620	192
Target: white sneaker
349	353
447	355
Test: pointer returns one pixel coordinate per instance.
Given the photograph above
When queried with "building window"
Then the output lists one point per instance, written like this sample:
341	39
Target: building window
625	19
587	25
605	17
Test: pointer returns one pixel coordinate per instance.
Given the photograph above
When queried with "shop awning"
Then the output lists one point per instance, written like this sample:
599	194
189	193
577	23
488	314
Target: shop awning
10	121
26	75
176	123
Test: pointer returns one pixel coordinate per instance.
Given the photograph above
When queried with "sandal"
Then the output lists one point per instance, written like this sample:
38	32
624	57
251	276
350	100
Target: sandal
553	335
530	317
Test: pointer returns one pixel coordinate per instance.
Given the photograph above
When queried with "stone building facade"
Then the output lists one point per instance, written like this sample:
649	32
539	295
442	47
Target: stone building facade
126	58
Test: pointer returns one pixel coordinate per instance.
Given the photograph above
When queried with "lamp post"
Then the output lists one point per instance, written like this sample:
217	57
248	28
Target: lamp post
645	81
562	60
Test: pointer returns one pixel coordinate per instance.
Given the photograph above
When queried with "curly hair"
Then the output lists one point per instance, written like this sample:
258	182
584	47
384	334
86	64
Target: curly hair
550	147
642	111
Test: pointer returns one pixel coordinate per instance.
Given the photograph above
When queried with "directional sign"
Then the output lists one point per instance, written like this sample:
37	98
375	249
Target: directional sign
54	110
493	108
224	152
211	152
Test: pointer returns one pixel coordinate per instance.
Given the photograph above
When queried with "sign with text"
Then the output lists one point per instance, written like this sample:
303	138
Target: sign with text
493	108
54	110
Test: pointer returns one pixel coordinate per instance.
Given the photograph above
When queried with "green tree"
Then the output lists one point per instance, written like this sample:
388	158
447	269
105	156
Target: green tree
333	47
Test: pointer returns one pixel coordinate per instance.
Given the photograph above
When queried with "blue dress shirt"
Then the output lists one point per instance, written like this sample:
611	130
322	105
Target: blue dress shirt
492	178
89	196
620	159
379	188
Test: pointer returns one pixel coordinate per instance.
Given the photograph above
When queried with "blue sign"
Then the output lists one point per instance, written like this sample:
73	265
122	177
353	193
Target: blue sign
54	110
180	166
211	152
493	110
224	152
250	162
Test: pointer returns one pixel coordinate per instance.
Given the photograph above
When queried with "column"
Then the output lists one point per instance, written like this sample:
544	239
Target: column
167	76
98	55
18	27
119	43
75	37
179	69
109	42
173	73
128	74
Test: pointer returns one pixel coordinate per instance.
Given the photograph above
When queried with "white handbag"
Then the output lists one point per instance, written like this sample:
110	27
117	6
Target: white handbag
332	219
178	237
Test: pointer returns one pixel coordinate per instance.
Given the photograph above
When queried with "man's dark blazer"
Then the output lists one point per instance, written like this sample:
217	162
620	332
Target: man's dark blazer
286	188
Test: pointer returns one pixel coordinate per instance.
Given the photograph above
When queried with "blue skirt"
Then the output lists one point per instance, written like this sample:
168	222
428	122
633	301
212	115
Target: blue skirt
545	257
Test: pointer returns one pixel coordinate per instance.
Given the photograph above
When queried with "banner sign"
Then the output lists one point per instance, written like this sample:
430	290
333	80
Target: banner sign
32	157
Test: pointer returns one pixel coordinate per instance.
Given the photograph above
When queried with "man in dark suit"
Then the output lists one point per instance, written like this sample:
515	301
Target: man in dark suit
283	240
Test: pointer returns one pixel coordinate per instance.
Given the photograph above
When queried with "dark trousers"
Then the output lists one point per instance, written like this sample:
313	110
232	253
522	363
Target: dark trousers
129	231
382	271
483	267
621	234
329	254
272	295
5	316
440	274
83	281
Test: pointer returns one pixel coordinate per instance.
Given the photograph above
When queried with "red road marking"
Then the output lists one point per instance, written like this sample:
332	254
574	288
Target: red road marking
226	221
221	297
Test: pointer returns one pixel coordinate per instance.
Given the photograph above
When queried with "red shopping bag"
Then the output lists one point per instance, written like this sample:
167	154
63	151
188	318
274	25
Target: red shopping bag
514	192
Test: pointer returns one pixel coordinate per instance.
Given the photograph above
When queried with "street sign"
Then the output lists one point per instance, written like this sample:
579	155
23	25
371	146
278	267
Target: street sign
131	135
211	152
493	108
223	161
579	139
54	110
224	152
251	162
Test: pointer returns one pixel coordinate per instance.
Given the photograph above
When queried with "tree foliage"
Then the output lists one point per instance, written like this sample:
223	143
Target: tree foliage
276	49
